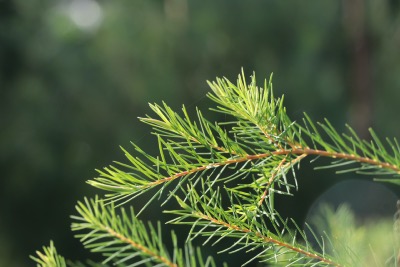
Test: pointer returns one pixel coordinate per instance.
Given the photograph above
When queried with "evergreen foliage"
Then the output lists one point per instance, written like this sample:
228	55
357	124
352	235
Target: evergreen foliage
224	176
49	257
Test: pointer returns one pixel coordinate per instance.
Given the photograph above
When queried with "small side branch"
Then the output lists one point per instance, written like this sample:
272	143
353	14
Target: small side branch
138	246
268	239
280	167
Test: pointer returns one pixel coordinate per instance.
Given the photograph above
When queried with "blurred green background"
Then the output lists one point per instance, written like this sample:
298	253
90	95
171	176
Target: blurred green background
76	74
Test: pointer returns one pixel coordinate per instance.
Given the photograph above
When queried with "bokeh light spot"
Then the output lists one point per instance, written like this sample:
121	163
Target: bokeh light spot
86	14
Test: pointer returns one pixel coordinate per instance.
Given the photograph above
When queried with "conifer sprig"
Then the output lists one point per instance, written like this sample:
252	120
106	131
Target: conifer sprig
258	137
190	149
247	158
124	239
49	257
260	230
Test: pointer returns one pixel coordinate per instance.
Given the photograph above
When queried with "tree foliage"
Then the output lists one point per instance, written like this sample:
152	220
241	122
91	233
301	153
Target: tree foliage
225	176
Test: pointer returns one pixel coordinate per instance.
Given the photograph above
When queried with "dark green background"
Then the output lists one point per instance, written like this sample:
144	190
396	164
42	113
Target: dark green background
70	94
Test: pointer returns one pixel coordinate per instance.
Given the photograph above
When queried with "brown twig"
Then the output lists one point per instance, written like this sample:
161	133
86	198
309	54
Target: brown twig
268	239
139	247
297	151
278	168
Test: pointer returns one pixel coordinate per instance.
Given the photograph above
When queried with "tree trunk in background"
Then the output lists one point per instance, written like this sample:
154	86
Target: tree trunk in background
361	87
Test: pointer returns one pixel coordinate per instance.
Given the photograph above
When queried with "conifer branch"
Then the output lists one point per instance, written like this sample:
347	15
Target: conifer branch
115	234
267	239
350	157
250	154
49	257
207	212
260	142
261	132
123	238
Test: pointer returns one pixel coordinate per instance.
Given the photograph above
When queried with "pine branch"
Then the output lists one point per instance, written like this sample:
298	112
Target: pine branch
249	156
372	155
206	213
124	239
259	138
49	257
